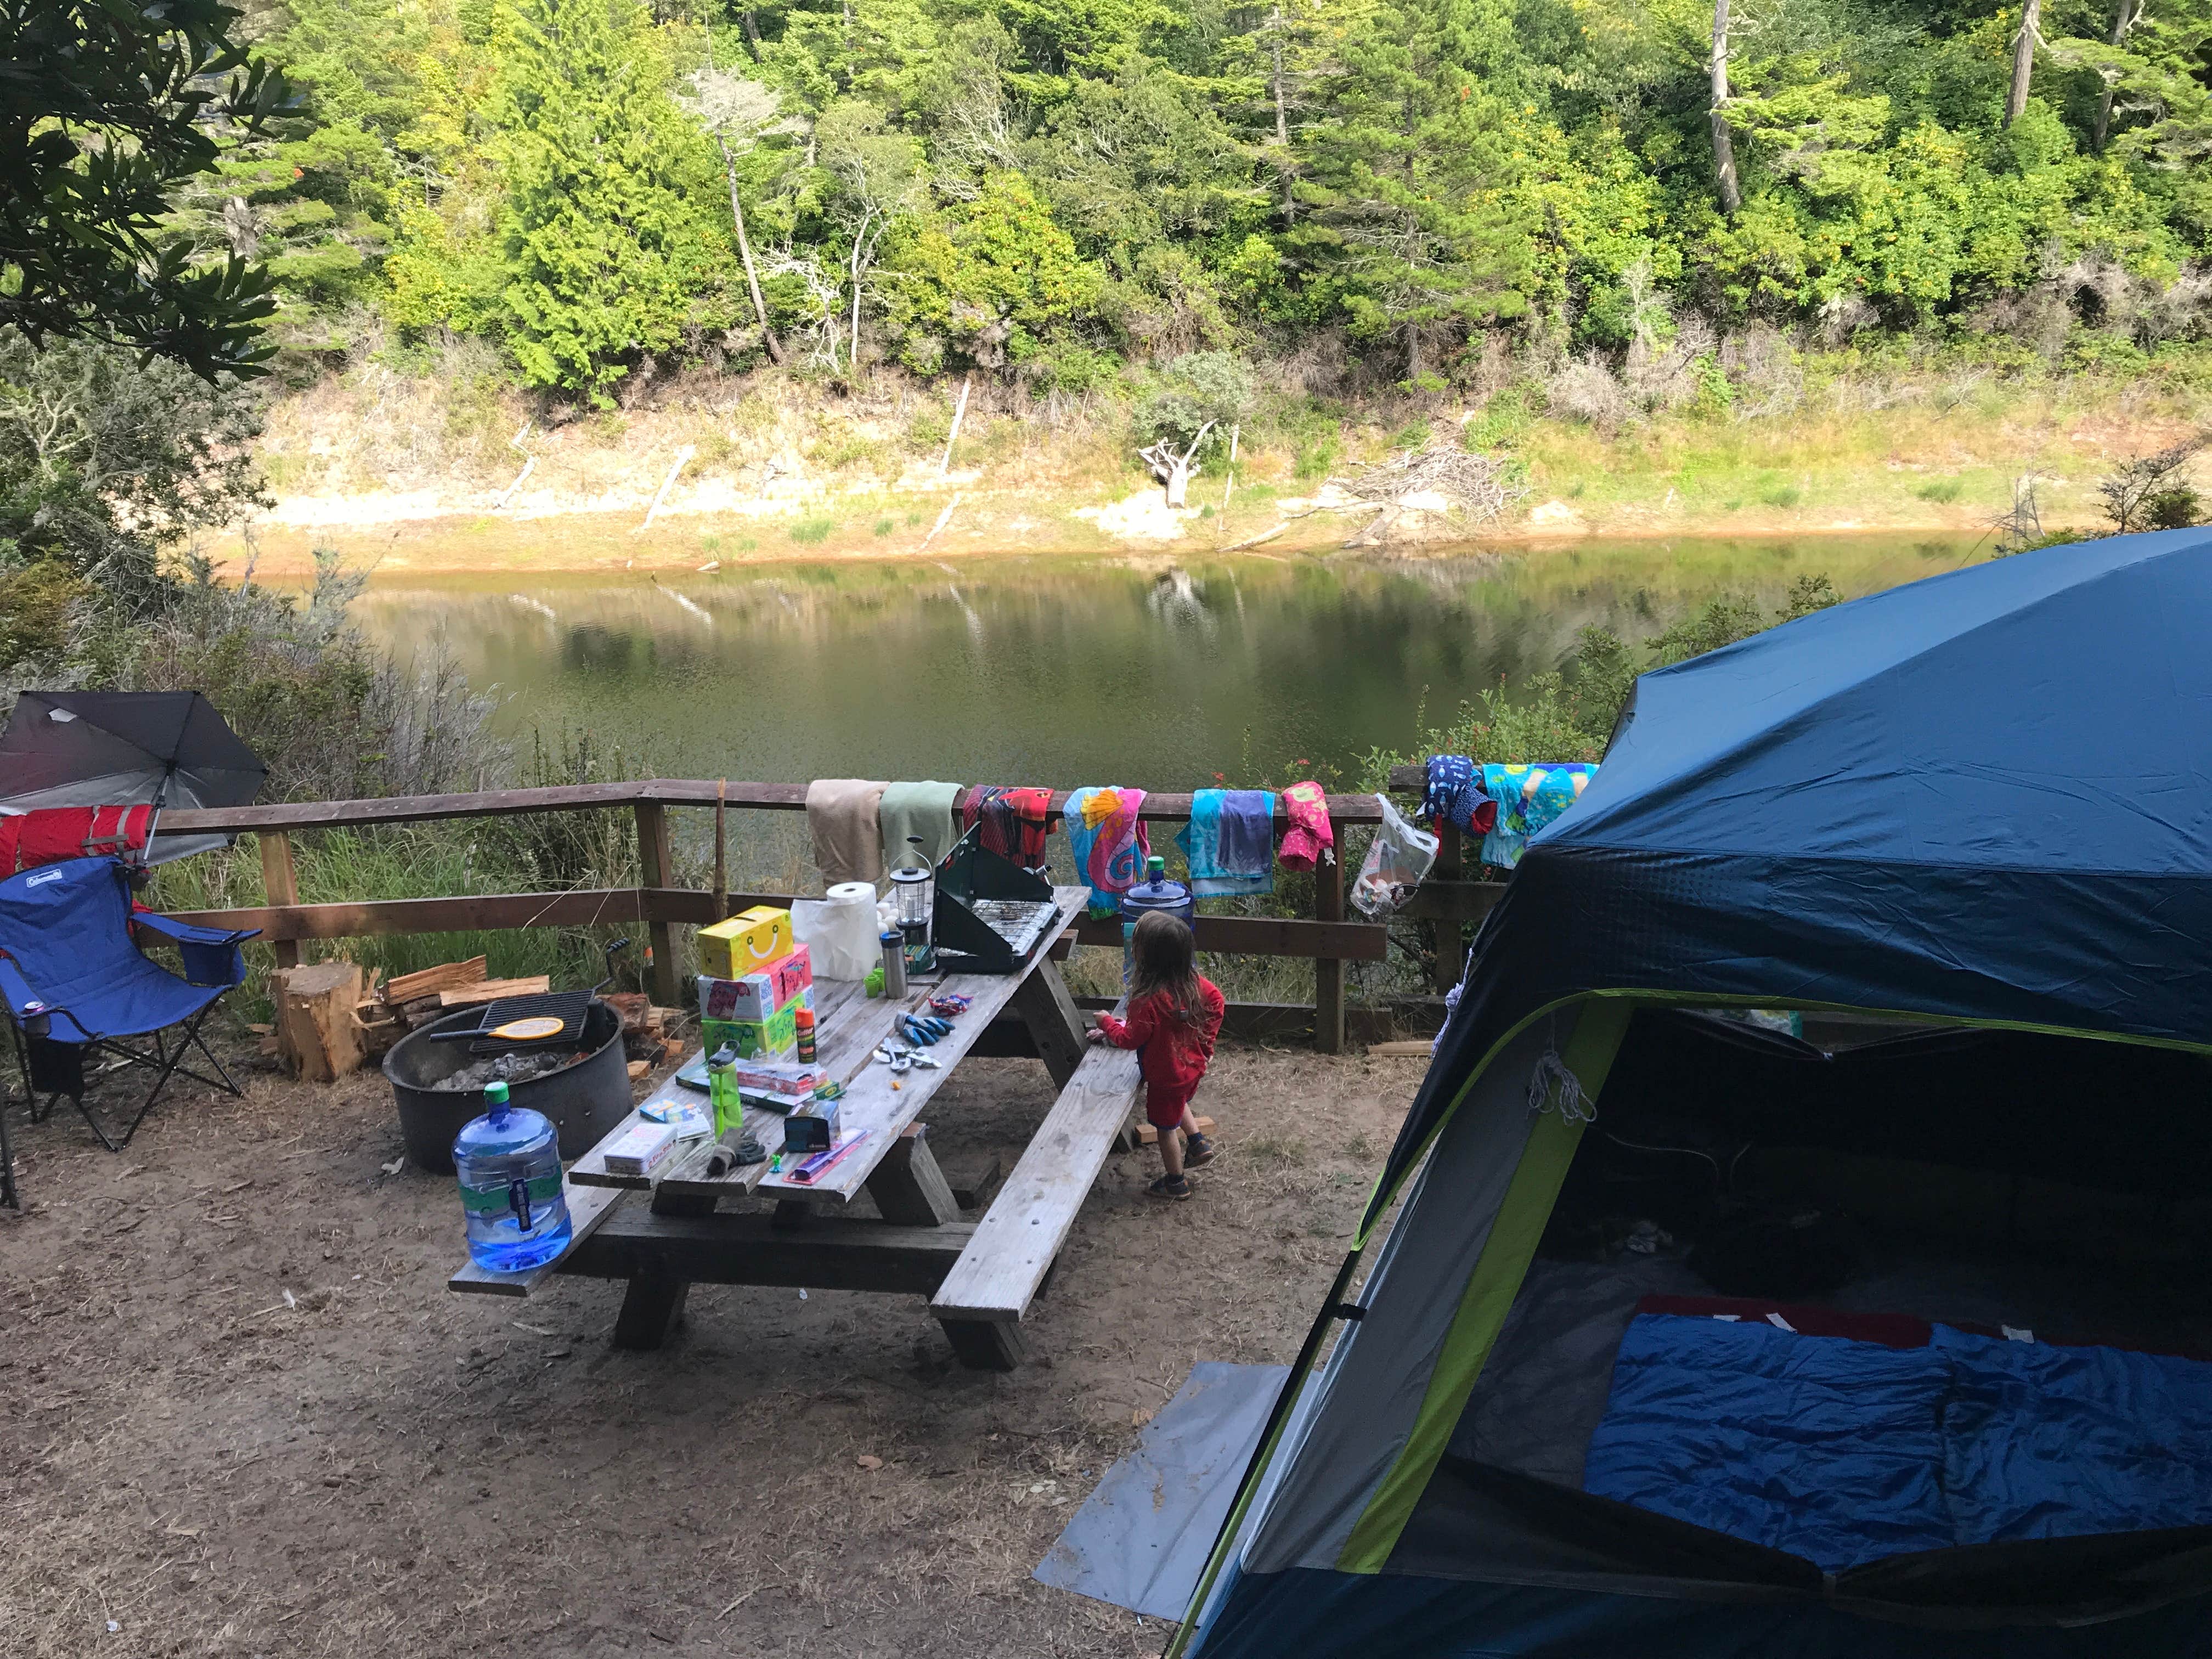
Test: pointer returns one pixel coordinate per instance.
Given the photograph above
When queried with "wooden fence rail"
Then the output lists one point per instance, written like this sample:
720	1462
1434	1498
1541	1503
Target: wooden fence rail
1328	939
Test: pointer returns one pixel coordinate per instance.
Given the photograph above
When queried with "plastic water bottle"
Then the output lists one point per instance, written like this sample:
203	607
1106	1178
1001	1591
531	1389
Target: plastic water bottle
1155	892
509	1164
722	1095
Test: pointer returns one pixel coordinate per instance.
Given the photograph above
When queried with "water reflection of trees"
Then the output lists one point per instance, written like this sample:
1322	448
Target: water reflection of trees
596	649
1175	599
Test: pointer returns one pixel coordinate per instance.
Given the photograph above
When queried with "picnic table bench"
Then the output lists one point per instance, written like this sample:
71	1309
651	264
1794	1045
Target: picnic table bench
982	1275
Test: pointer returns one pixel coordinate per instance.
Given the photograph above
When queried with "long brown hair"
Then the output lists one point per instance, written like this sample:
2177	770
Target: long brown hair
1162	959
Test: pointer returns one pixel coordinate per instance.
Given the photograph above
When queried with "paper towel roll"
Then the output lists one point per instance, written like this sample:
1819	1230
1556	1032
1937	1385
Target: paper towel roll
839	930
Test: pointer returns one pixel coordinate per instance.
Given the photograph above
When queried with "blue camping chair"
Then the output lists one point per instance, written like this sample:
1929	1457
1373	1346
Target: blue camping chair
74	979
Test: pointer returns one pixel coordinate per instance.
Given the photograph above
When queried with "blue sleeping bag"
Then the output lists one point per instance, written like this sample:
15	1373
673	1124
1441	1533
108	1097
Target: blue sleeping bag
2047	1442
1845	1452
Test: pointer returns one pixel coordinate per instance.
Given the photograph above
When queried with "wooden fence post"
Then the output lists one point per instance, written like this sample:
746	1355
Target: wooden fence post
282	883
1328	971
656	857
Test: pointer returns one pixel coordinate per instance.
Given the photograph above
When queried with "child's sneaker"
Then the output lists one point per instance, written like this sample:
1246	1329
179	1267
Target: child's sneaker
1199	1151
1174	1187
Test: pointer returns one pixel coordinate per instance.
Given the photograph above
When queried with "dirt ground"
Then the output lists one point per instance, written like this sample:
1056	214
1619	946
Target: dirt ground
241	1414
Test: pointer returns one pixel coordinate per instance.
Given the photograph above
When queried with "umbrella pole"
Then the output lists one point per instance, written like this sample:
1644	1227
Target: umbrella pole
152	822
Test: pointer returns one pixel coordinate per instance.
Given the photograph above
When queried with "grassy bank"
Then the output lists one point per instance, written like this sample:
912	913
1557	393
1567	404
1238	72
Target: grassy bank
427	472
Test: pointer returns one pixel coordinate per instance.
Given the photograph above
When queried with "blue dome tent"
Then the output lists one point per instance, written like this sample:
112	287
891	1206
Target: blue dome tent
1689	1337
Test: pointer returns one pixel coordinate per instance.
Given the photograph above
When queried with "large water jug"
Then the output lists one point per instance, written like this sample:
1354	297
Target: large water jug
509	1164
1155	892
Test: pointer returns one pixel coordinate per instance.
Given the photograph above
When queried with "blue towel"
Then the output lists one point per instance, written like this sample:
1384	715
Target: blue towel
1528	798
1229	842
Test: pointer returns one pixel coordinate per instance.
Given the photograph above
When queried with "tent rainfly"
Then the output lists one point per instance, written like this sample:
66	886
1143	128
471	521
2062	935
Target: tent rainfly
1693	1337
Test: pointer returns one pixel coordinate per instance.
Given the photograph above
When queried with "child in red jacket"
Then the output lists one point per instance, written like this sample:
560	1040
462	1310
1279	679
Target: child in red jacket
1174	1015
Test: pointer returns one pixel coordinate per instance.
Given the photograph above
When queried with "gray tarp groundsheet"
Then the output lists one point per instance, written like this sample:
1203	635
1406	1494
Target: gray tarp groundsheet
1142	1537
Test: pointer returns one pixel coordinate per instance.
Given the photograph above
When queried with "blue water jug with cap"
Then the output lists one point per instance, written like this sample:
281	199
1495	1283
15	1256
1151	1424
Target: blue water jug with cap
1155	892
509	1164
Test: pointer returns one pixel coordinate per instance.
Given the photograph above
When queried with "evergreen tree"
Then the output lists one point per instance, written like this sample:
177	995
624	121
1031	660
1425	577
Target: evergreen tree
1411	166
609	248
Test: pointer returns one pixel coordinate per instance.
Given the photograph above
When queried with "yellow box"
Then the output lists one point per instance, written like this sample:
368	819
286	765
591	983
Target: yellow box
745	943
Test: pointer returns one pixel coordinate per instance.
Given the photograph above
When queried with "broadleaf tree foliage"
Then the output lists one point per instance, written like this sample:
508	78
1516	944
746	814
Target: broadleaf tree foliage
1048	192
106	109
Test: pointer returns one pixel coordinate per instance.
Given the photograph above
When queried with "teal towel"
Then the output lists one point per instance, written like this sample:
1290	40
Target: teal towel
918	809
1229	842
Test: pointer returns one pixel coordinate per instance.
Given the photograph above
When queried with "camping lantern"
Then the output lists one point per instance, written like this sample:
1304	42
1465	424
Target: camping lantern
913	899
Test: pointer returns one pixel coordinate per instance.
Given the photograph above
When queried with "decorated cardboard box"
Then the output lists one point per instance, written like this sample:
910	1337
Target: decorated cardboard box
781	1077
775	1038
762	995
745	943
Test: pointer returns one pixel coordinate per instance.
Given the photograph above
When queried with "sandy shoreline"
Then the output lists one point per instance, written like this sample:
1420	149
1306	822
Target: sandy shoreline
449	543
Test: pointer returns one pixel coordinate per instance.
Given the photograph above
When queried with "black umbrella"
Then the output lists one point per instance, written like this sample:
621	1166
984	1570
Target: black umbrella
125	749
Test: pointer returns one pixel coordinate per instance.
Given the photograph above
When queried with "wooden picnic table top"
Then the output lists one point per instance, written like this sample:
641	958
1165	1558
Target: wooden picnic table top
852	1025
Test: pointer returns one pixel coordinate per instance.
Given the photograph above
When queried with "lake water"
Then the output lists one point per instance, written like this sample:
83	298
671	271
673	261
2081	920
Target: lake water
1156	671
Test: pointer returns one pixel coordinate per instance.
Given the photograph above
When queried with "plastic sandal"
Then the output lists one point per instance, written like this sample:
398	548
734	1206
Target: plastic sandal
1197	1152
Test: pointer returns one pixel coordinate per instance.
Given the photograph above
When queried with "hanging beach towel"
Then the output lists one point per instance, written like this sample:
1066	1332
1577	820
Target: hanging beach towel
1311	839
1108	841
1526	798
1229	842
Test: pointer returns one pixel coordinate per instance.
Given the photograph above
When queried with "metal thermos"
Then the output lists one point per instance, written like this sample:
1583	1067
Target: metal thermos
893	944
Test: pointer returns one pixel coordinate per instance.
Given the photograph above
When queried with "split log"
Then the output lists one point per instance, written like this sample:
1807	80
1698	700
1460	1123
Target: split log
474	996
317	1037
446	976
420	1011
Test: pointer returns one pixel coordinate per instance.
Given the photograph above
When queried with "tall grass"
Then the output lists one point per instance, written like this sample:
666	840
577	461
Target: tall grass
447	860
459	858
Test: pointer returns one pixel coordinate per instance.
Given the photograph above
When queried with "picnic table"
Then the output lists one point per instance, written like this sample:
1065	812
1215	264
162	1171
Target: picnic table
981	1275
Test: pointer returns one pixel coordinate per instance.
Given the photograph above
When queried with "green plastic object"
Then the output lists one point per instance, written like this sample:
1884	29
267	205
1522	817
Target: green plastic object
722	1091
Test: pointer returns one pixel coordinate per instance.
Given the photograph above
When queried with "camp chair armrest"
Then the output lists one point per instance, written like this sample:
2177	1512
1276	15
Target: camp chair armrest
186	933
210	954
13	987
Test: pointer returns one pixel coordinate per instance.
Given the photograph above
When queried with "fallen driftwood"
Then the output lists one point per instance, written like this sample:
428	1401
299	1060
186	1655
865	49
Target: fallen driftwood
1473	487
1264	536
1173	470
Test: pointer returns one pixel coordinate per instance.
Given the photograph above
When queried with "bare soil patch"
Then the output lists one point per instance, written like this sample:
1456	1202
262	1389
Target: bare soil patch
243	1416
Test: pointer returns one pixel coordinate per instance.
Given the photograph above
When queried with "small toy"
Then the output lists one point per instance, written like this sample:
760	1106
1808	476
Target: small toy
951	1003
